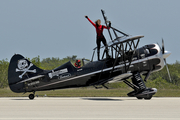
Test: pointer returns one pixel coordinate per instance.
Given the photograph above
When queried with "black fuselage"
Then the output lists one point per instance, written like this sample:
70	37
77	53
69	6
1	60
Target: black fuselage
145	59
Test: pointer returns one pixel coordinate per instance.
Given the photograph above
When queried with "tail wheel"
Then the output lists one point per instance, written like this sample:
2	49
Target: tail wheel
31	96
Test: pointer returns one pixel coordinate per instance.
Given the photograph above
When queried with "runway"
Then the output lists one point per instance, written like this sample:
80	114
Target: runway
89	108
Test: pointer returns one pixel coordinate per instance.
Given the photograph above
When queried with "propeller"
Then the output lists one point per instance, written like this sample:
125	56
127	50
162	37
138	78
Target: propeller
165	52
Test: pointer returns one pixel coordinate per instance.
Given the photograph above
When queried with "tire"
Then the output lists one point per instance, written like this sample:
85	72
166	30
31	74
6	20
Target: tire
31	96
139	98
148	98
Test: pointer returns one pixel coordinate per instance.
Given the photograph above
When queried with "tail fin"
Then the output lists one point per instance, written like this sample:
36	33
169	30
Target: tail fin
20	69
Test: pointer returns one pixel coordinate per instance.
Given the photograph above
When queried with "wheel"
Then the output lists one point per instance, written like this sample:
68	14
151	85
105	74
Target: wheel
139	98
31	96
148	98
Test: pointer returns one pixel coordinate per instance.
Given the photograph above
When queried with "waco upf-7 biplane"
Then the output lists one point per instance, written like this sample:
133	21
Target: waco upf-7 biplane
126	61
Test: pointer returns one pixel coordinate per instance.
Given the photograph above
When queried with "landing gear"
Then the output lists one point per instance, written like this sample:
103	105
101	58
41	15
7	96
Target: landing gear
140	89
139	98
31	96
146	98
146	94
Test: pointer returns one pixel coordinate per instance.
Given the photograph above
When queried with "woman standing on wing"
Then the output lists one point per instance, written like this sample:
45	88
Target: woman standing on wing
100	37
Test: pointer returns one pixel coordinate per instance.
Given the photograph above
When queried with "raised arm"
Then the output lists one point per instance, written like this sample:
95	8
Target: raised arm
106	27
90	21
109	26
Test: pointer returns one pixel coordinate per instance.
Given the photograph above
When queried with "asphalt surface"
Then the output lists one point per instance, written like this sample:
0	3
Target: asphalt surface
89	108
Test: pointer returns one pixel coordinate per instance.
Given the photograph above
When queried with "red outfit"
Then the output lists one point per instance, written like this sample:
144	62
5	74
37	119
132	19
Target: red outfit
77	64
100	37
99	29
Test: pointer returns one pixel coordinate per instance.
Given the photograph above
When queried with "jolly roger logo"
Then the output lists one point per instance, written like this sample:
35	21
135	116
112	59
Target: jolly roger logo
24	68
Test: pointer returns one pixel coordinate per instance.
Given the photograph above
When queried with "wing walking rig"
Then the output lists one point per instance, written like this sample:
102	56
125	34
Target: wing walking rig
122	48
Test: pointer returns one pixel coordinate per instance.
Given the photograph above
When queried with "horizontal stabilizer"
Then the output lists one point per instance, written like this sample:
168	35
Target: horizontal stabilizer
32	78
120	77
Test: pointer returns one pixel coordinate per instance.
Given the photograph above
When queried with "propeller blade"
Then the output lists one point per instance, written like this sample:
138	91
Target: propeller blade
168	70
163	50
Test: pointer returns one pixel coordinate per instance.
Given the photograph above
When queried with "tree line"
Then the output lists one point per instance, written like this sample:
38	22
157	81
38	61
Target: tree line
51	63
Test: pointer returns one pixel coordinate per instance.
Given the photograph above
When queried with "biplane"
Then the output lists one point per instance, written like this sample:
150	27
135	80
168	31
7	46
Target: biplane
127	62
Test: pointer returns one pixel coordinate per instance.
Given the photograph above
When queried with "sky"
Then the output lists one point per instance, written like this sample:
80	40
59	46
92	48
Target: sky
58	28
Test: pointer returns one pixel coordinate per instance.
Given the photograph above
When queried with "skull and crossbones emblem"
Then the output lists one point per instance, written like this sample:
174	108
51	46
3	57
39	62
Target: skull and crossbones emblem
23	67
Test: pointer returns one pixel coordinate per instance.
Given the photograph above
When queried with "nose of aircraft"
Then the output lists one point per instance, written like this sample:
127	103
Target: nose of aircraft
166	54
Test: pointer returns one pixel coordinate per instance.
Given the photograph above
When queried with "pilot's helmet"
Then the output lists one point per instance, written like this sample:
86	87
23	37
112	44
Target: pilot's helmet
78	61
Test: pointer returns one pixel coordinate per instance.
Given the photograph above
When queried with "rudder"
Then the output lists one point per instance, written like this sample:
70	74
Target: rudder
20	69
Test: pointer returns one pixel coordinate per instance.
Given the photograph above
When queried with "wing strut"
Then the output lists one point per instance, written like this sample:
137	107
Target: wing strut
105	19
135	46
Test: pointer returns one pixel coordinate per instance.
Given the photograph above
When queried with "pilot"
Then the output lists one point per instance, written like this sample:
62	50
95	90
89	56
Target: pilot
77	64
100	37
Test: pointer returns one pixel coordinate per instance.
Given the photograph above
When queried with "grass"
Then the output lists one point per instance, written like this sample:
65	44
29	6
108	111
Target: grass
79	92
120	89
168	93
89	92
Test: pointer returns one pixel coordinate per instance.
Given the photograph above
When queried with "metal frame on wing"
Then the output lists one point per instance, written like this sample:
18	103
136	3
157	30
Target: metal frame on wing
122	49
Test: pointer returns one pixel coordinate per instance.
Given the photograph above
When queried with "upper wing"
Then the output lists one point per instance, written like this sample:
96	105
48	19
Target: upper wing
32	78
124	39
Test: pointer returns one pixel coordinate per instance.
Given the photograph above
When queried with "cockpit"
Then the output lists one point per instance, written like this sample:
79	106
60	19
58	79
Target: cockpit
81	62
